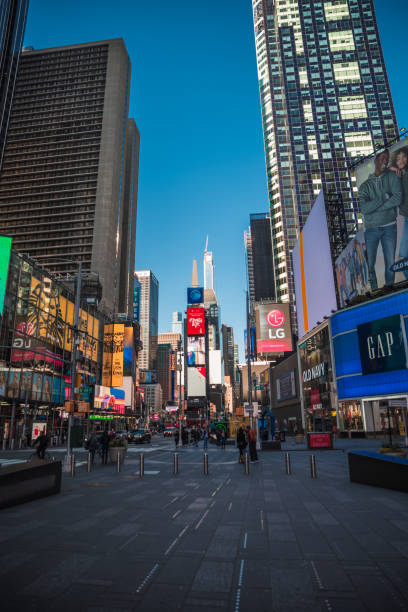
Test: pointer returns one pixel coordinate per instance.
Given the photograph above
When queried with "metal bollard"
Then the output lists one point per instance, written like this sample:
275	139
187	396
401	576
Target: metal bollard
313	466
20	443
118	463
287	464
206	464
175	464
4	444
88	467
12	444
72	465
141	466
246	464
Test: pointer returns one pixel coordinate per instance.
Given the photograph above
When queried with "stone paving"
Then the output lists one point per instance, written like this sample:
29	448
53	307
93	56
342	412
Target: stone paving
227	541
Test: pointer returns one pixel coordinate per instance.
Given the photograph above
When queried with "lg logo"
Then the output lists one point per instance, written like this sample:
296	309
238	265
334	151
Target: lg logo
275	318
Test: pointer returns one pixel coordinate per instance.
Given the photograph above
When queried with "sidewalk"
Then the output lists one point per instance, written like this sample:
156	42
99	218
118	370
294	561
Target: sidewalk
226	541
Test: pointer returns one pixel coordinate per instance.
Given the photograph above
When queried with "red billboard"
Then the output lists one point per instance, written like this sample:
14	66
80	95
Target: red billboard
273	329
195	322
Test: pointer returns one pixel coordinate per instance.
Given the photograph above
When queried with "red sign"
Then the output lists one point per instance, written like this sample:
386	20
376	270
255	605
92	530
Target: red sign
273	330
319	440
275	318
195	322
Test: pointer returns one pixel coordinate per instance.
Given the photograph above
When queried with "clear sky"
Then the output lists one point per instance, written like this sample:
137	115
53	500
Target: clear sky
195	100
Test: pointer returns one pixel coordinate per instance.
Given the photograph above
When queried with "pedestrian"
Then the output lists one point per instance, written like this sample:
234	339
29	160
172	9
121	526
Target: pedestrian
176	438
223	439
252	445
241	444
184	437
42	442
195	437
205	437
92	446
105	447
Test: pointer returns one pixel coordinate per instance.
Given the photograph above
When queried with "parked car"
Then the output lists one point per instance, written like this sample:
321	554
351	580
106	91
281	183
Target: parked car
140	436
169	432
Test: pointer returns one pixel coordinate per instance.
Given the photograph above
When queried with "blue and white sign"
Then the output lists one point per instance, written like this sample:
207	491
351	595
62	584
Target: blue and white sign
195	295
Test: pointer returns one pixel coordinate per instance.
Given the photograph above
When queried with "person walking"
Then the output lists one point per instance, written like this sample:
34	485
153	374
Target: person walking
42	442
253	455
176	438
105	447
223	439
92	446
205	438
241	444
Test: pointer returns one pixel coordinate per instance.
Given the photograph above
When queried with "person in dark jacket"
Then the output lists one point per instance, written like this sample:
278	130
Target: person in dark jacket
241	443
184	437
105	447
176	438
252	444
42	442
92	446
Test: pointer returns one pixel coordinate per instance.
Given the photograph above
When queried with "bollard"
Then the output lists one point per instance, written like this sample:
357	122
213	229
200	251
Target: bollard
313	466
89	462
4	444
12	444
141	467
246	464
206	464
118	463
20	443
175	464
72	465
287	463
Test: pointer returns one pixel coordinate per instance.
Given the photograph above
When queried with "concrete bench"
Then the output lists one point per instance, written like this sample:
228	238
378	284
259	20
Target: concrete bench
378	470
25	482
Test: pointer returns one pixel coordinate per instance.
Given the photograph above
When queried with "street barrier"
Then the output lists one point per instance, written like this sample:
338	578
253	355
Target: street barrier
313	472
175	464
246	464
206	464
287	464
72	465
141	465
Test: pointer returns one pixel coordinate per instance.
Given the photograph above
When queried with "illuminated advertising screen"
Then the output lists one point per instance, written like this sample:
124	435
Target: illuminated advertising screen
273	329
196	382
5	250
196	350
313	271
113	346
378	254
195	295
195	321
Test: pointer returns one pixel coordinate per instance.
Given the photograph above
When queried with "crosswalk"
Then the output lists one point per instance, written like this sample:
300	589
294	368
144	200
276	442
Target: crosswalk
6	462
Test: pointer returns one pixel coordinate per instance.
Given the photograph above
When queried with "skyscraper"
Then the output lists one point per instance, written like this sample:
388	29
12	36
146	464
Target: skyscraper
325	99
209	272
68	188
227	334
149	318
258	246
177	323
13	14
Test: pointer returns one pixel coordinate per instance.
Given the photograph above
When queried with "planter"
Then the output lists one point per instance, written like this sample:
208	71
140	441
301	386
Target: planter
114	451
401	454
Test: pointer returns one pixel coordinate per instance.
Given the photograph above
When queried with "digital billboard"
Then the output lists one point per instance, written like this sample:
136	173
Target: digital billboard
378	254
5	250
215	367
313	271
196	382
273	328
195	295
195	321
113	346
196	350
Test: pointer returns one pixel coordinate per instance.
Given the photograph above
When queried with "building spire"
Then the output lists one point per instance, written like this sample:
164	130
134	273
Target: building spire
194	278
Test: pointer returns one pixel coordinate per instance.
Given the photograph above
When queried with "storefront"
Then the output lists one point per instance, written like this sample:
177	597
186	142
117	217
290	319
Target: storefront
286	406
316	380
370	355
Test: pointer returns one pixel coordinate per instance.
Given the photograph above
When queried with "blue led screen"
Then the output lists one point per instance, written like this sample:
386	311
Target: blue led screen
350	382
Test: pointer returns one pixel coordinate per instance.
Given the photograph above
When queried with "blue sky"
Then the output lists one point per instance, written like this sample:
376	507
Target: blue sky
195	100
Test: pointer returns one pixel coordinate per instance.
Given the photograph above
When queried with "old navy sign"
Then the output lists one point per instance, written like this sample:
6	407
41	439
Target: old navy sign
383	345
316	371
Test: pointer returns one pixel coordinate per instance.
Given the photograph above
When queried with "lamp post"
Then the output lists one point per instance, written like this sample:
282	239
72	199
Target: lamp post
250	407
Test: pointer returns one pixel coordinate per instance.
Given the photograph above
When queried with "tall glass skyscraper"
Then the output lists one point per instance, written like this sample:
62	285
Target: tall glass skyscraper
149	318
13	15
325	100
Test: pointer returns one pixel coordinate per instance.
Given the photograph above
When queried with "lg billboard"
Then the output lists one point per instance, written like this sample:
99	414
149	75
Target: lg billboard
273	329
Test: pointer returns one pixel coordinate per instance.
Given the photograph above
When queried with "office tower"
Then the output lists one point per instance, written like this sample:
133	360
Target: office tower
258	243
171	338
149	318
177	323
325	100
68	188
13	15
227	334
209	272
166	370
213	315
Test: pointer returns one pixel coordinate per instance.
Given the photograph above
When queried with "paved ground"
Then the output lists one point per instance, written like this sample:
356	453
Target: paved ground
227	541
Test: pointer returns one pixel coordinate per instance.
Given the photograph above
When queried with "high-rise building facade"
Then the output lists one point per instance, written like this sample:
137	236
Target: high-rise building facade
177	323
325	100
213	315
258	246
149	318
171	338
227	334
68	187
13	15
166	371
209	272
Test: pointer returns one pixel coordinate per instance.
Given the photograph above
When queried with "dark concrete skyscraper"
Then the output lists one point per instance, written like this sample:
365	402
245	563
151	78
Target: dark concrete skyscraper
325	100
68	189
13	14
258	246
